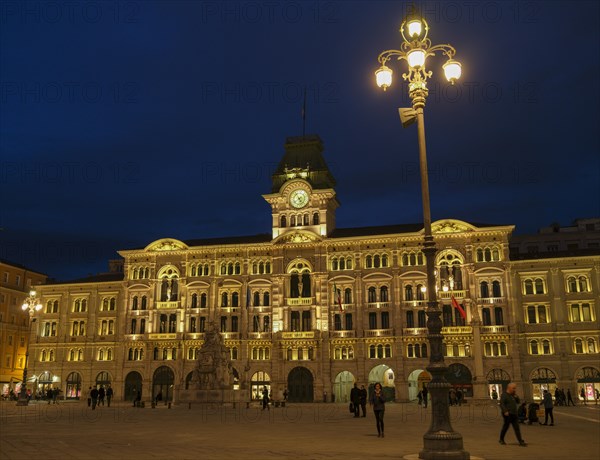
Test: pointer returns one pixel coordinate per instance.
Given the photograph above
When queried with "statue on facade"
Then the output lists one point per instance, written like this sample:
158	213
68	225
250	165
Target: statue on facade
213	369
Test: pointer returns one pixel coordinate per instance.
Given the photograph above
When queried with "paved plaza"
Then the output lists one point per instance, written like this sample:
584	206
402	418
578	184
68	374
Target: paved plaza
308	431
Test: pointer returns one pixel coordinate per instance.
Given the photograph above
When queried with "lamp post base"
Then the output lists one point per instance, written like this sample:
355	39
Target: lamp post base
446	446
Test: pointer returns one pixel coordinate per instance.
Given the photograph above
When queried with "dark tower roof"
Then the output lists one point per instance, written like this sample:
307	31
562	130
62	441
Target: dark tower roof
304	153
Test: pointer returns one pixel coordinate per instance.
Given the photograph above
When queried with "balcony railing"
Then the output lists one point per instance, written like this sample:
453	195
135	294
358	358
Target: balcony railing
298	335
166	305
415	331
494	329
378	305
163	336
259	335
300	301
231	335
194	335
379	333
345	306
457	330
341	334
491	300
415	303
448	294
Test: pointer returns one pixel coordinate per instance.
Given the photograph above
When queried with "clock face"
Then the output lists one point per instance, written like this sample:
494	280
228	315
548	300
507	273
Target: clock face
298	198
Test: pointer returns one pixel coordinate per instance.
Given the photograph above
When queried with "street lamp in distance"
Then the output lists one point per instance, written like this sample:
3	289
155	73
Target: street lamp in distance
31	303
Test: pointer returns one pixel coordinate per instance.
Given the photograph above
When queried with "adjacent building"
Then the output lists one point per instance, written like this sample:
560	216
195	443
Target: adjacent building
15	283
312	308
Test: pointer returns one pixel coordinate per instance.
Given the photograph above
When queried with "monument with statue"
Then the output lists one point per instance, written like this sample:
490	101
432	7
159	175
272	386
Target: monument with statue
212	379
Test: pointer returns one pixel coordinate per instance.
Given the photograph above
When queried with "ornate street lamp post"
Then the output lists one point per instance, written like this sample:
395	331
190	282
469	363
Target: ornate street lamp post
31	303
440	441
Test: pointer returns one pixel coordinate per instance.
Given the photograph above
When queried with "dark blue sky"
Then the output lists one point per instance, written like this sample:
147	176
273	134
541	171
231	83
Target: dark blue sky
124	122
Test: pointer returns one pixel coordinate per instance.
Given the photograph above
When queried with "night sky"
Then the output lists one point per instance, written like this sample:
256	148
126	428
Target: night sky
125	122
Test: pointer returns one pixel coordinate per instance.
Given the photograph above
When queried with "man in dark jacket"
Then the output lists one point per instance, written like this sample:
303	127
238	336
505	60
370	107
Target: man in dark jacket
94	394
363	400
548	406
355	398
508	406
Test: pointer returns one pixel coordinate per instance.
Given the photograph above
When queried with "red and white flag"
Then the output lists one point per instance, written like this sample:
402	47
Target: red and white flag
459	307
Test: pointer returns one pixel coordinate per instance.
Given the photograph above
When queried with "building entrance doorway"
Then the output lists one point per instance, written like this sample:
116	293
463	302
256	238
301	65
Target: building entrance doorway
300	385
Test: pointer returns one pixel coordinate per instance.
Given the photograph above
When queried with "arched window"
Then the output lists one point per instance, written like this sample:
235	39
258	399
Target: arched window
372	296
528	284
256	299
293	221
376	261
144	302
583	284
496	291
347	296
316	218
424	350
383	294
420	291
484	290
384	260
369	262
235	299
487	254
408	292
283	222
578	346
479	255
546	347
266	299
203	300
194	300
533	347
539	286
224	299
334	263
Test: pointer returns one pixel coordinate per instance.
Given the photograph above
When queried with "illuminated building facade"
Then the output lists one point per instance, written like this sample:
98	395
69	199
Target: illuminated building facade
312	308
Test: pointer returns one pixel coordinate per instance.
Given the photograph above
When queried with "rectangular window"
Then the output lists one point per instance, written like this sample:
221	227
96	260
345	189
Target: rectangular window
337	323
202	324
234	324
5	277
295	321
18	280
537	314
385	320
372	320
349	326
223	323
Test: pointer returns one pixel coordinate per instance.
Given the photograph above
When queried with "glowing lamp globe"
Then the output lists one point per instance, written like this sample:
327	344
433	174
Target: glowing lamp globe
383	75
452	70
416	58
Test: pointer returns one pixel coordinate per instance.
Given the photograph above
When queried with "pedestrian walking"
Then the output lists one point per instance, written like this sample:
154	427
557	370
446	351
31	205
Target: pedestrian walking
378	403
324	396
569	398
363	400
494	394
582	395
597	392
420	397
548	406
109	395
355	399
94	394
508	407
55	394
285	394
101	395
265	399
89	397
49	395
425	395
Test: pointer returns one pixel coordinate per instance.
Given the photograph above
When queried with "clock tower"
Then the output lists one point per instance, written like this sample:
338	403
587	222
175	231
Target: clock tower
302	197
